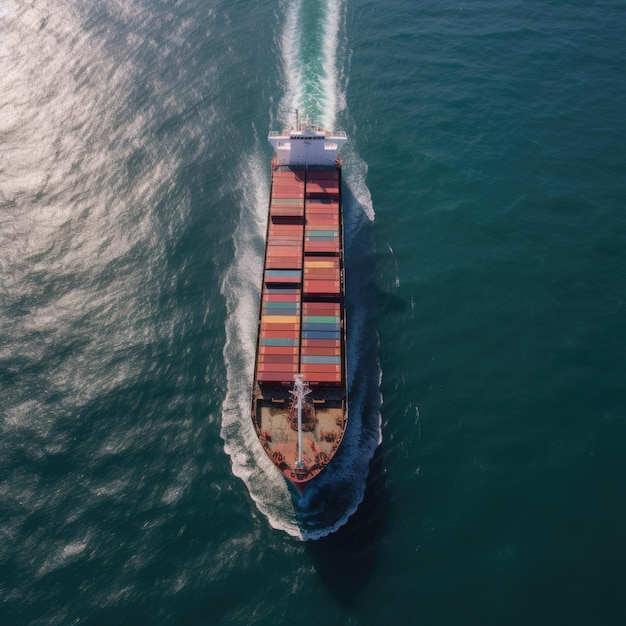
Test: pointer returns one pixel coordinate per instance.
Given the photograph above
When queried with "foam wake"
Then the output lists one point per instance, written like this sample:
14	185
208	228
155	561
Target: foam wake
309	46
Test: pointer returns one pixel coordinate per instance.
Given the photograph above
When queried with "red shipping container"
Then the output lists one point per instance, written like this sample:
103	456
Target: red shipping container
298	175
280	231
276	250
326	381
322	204
288	252
326	248
326	309
286	183
314	305
287	197
291	351
321	286
318	342
331	344
308	313
322	377
328	313
309	351
286	180
286	230
316	261
283	328
291	232
285	193
283	264
291	238
317	218
278	358
275	377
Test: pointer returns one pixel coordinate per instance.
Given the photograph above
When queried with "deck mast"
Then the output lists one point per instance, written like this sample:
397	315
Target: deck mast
299	393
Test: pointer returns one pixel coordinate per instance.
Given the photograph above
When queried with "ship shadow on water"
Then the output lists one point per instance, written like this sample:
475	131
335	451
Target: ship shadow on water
345	560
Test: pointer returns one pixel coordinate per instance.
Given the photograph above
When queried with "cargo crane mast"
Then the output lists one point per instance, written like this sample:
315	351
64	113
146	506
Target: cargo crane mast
299	393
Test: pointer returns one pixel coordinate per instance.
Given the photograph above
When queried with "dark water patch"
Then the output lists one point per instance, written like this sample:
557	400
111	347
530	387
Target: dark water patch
345	560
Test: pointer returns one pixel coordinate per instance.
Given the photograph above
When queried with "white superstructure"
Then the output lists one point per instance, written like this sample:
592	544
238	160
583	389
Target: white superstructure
307	144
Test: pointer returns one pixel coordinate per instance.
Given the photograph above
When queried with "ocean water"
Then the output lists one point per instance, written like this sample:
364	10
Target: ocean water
483	476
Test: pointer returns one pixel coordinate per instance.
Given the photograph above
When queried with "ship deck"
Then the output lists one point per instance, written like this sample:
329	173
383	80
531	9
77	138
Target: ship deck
302	320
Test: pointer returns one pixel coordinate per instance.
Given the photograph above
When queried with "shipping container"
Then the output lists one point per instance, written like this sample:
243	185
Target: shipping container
278	358
308	351
319	312
319	367
321	319
269	333
265	326
279	341
264	349
278	367
275	297
282	290
276	302
316	334
321	343
321	304
287	199
317	287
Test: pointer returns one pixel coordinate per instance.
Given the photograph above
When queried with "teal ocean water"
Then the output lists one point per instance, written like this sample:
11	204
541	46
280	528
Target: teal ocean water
482	478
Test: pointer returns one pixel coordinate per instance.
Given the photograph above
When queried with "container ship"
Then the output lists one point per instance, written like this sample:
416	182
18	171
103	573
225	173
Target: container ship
299	399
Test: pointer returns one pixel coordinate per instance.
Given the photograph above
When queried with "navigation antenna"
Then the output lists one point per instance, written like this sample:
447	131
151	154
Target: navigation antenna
300	392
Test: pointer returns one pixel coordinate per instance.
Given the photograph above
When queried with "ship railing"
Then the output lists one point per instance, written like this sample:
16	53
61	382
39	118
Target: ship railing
285	133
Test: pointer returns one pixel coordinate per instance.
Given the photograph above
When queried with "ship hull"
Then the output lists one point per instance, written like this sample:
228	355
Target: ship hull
302	323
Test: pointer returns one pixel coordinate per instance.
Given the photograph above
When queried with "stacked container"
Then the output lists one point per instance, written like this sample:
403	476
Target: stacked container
287	200
321	235
301	328
279	335
321	276
279	332
321	344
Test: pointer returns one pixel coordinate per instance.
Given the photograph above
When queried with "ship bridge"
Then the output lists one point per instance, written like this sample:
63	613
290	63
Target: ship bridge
308	144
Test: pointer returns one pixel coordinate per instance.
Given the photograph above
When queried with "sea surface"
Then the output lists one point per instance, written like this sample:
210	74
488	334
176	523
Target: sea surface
483	476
